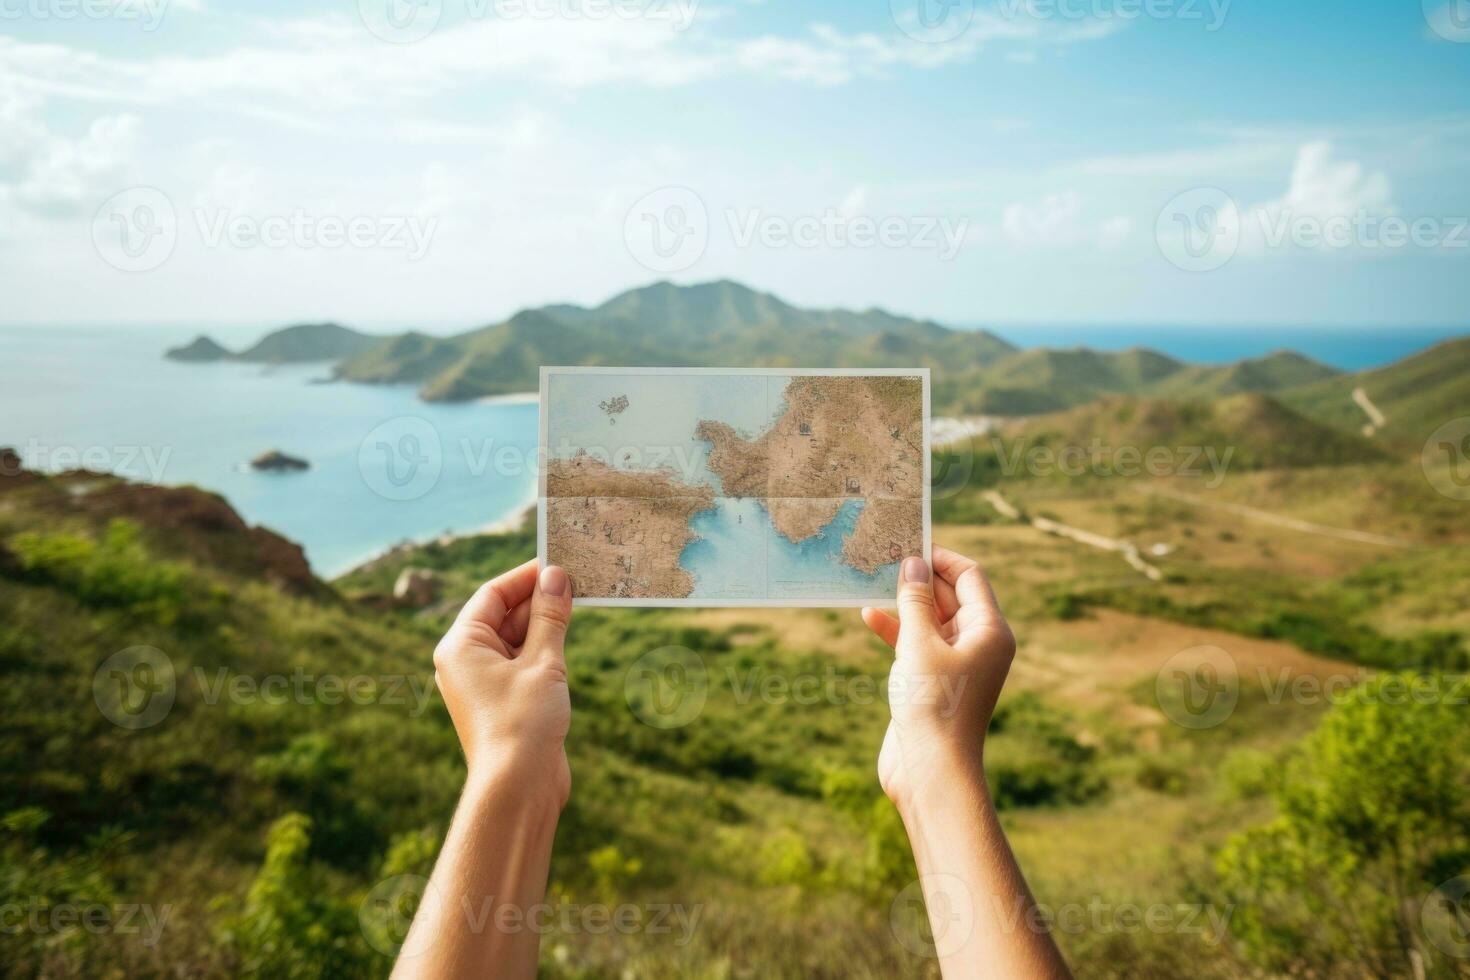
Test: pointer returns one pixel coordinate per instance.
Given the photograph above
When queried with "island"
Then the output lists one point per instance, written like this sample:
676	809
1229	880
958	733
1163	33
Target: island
836	438
276	461
619	533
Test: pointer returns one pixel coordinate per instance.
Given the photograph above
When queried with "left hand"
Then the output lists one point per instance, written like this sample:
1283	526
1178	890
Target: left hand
502	671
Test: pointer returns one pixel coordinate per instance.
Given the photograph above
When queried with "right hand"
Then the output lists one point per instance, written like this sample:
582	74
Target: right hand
954	650
503	675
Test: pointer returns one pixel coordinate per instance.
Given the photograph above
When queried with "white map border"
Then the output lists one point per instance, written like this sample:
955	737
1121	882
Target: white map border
544	422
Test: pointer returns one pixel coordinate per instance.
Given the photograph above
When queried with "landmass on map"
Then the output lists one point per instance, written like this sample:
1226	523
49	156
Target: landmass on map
613	407
836	439
619	533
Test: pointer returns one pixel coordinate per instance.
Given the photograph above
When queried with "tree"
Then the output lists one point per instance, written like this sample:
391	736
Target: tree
1373	815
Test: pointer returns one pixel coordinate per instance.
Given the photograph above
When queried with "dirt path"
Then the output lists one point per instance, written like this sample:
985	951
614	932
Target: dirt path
1128	550
1291	523
1376	419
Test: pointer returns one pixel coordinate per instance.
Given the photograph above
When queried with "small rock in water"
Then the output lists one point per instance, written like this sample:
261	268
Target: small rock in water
278	462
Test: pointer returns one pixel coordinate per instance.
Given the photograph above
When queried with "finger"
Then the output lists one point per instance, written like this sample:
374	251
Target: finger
917	615
945	599
882	624
497	597
971	586
513	631
551	612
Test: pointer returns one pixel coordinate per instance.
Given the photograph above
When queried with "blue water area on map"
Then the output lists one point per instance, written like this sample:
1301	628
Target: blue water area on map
740	555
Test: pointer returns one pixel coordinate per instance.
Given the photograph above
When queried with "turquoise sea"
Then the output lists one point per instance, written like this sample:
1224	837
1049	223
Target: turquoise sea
106	399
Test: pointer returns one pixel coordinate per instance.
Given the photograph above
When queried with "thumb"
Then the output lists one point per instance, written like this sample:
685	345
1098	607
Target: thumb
917	616
551	611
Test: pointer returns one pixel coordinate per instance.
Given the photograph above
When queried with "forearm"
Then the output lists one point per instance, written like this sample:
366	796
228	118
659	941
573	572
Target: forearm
983	915
479	916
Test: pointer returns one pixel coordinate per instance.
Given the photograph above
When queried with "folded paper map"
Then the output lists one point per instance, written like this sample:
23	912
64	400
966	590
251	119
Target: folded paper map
733	487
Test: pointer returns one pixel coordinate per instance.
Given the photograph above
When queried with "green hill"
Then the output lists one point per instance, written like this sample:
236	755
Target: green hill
1259	431
1042	380
1416	395
300	344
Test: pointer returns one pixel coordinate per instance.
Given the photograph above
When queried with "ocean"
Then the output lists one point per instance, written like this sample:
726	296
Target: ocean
387	467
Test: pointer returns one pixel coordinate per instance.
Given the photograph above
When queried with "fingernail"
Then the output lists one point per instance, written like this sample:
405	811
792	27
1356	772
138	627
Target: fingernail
553	581
915	570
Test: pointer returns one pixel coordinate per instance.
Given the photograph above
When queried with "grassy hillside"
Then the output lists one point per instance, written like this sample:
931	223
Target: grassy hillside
266	812
1416	395
1257	431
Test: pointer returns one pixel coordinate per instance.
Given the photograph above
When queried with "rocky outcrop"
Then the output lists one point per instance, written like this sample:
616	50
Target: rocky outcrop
416	588
276	461
200	350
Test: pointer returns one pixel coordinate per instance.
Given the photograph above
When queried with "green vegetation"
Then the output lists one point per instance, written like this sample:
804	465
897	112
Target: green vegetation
1416	395
275	820
303	343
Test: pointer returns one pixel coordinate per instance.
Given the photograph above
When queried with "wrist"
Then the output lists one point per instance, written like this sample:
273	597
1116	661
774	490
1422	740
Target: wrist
946	773
536	783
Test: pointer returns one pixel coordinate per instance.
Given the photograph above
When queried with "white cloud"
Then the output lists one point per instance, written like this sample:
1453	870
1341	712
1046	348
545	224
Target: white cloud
1058	221
52	176
1323	192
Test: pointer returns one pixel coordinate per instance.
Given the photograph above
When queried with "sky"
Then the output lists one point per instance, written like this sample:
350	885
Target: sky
443	163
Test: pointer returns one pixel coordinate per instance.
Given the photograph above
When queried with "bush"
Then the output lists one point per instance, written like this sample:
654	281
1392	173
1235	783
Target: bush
114	572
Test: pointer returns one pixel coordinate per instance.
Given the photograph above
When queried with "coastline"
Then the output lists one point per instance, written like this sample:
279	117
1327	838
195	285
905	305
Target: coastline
515	520
512	398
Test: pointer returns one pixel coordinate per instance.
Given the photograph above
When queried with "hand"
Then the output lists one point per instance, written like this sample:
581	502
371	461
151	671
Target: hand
503	675
954	650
